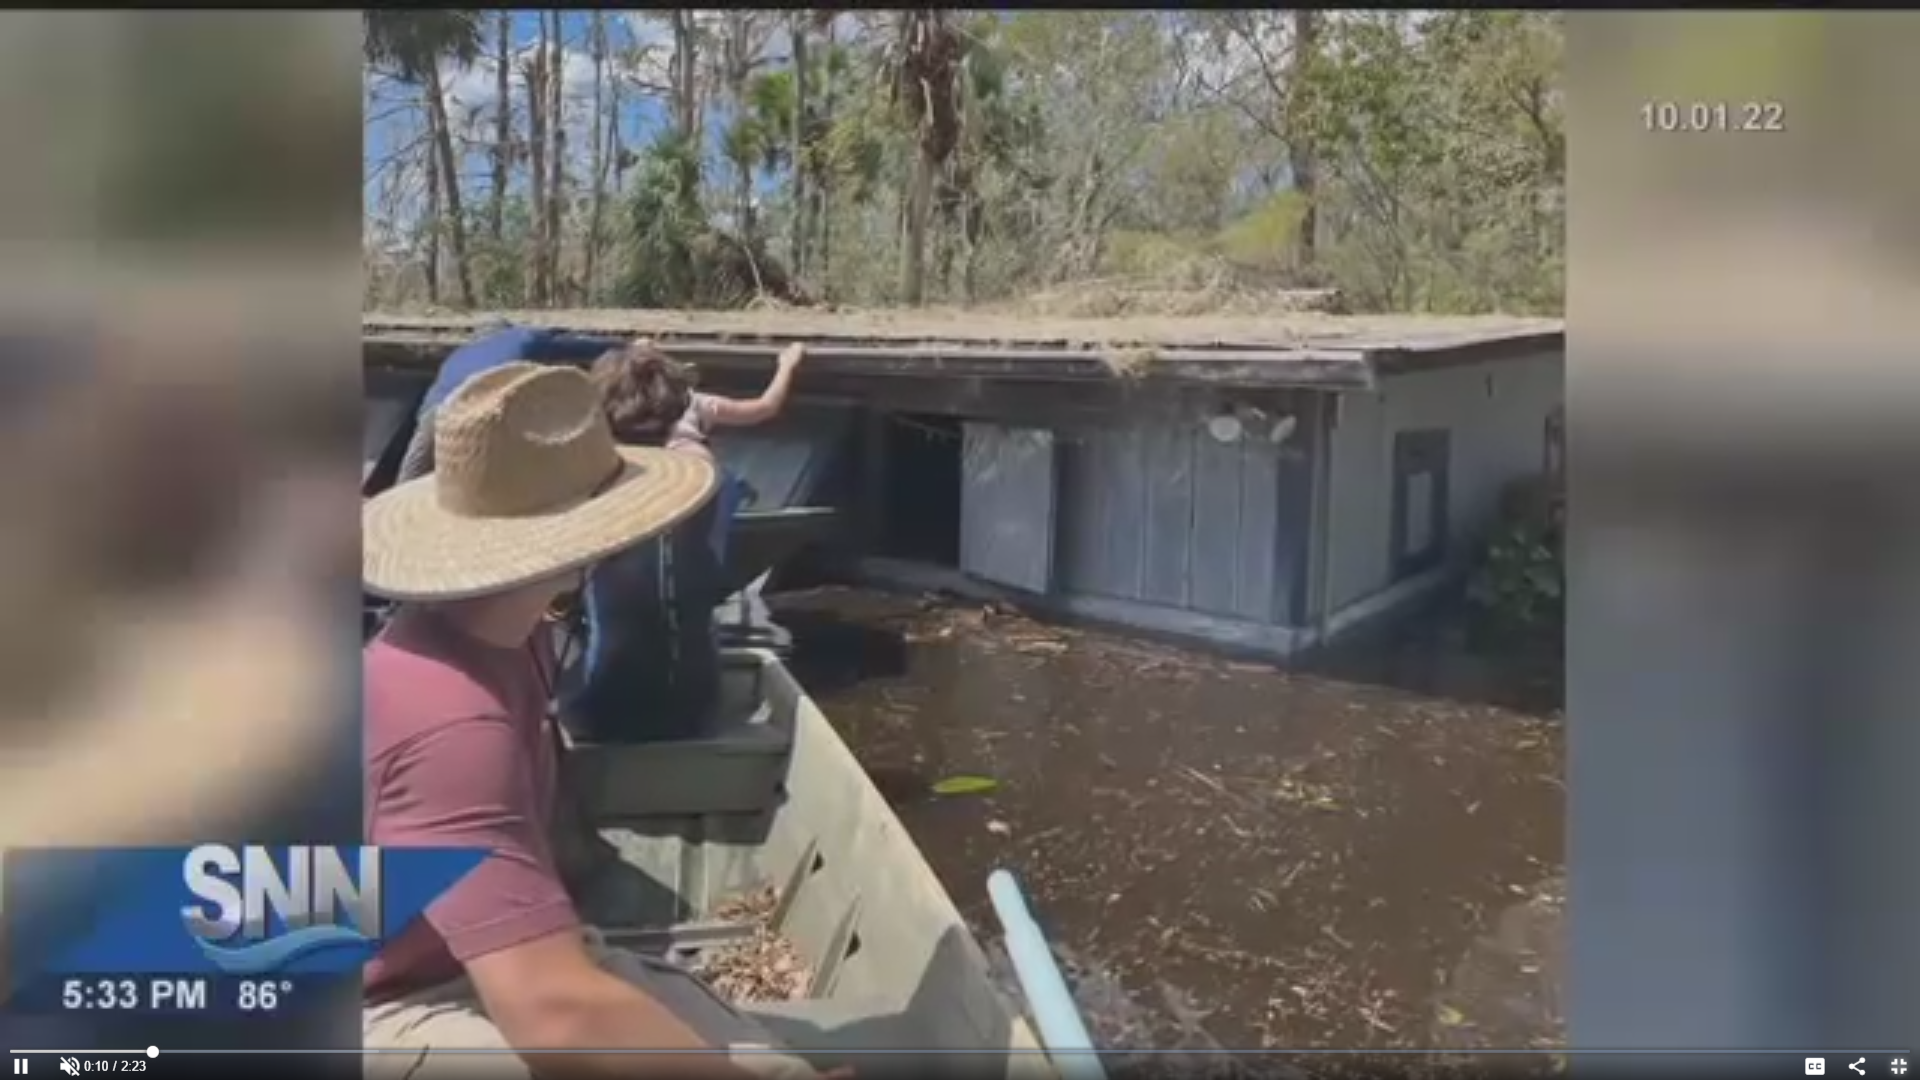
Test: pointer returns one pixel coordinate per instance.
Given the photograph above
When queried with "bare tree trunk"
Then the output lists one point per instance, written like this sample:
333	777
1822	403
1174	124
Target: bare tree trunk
913	263
970	269
686	79
502	125
1079	244
616	141
743	216
1301	120
538	287
824	202
965	234
450	185
605	122
797	144
430	266
925	74
557	156
743	202
945	251
736	69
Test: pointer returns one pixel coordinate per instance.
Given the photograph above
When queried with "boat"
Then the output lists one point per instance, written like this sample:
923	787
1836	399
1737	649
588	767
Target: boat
657	837
660	835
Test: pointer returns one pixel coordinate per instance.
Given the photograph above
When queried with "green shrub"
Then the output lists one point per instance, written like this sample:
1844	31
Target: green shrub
1519	586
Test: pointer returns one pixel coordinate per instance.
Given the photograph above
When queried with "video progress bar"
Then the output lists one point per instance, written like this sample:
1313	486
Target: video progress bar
151	1051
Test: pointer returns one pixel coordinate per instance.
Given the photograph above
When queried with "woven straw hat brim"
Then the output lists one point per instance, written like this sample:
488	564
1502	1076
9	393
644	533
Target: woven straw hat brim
415	550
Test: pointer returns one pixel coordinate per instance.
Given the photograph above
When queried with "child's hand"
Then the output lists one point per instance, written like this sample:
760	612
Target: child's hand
791	356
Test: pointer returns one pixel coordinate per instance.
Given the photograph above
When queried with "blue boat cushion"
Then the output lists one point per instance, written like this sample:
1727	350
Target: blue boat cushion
729	500
649	669
507	346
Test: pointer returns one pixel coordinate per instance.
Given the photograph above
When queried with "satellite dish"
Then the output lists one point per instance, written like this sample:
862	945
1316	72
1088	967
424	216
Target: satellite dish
1225	428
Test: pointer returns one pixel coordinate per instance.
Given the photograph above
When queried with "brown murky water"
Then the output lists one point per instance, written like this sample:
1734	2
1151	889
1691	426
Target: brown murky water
1224	854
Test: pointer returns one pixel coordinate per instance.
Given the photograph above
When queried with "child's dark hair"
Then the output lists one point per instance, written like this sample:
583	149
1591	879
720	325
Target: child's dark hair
644	392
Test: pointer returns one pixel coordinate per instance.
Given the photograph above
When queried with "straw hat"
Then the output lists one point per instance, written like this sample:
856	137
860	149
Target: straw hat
528	483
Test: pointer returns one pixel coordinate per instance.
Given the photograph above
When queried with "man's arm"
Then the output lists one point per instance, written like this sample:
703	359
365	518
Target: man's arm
732	412
511	924
548	994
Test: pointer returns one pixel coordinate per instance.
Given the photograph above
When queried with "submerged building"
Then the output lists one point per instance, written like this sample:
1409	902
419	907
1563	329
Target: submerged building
1260	483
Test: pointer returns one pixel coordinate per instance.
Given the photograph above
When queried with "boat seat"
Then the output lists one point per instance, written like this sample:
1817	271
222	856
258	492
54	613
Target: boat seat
739	769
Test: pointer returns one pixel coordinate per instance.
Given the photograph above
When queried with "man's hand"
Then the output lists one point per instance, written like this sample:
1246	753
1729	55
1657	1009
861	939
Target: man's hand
791	356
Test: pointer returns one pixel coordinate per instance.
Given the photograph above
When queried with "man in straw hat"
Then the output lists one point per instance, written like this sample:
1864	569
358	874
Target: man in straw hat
529	489
499	343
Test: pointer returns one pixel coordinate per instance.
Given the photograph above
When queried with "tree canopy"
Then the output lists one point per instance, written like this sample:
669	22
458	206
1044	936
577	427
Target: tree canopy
1413	160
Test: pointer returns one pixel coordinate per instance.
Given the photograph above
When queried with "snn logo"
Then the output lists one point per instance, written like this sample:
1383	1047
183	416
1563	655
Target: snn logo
307	898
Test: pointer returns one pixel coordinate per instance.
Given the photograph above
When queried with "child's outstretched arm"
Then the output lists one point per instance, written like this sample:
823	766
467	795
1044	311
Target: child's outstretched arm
737	412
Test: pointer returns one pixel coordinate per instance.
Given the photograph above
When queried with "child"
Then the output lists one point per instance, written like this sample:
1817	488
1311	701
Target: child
651	401
651	666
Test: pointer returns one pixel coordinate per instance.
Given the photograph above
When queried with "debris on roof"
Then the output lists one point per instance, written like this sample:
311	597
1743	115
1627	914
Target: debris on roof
1293	347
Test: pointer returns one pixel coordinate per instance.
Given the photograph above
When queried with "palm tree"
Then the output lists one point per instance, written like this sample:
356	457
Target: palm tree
926	60
413	43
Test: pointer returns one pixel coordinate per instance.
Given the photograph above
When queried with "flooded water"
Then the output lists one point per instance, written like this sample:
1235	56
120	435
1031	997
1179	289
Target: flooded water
1225	855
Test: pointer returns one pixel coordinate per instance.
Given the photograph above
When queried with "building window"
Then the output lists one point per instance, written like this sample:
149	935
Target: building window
1421	517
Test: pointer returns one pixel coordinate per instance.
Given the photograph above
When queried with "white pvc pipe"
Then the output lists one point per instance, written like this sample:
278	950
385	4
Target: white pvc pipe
1062	1032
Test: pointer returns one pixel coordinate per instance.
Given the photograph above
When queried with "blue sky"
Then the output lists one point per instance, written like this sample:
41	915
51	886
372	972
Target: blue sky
392	123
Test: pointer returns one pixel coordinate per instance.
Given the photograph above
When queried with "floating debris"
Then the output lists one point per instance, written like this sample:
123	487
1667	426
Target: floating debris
766	967
966	785
1314	855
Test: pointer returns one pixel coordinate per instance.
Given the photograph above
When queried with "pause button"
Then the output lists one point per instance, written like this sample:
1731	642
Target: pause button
19	1066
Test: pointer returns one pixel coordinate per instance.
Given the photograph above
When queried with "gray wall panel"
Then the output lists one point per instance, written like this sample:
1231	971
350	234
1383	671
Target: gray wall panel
1007	506
1218	513
1254	583
1085	502
1118	455
1158	511
1167	516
